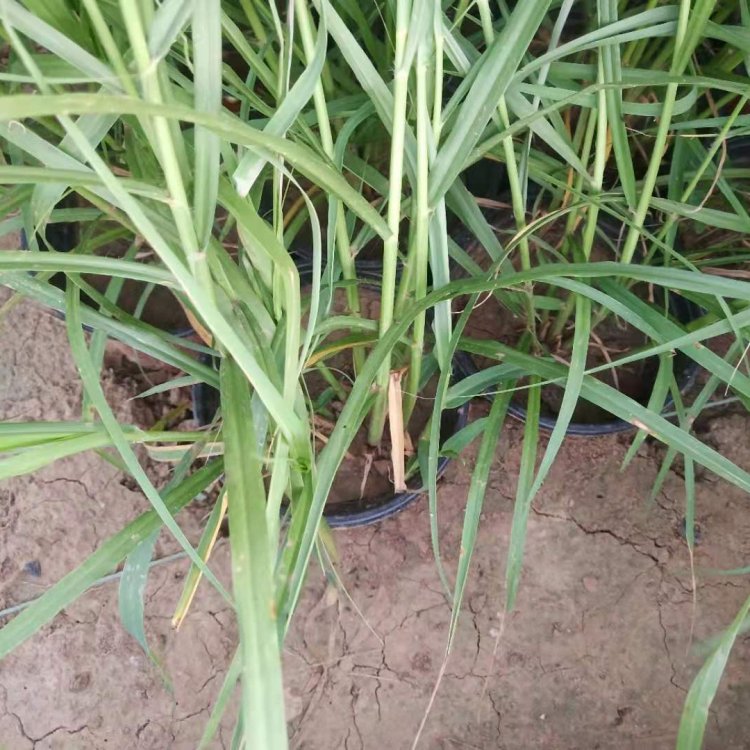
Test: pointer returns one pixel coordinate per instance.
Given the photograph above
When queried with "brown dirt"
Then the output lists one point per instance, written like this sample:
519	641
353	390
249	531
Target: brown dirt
596	654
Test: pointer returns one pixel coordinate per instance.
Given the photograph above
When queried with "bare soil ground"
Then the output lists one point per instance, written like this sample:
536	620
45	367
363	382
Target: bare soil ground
596	655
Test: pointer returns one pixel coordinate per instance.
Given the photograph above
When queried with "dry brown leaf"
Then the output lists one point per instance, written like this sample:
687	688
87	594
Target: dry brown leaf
366	473
396	423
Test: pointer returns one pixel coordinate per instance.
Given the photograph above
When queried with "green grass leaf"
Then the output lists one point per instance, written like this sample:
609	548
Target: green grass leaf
207	61
30	260
475	501
39	453
252	568
612	69
704	687
523	495
169	21
132	589
572	391
455	445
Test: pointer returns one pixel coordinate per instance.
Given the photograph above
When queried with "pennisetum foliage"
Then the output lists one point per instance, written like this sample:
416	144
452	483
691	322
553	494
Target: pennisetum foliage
233	138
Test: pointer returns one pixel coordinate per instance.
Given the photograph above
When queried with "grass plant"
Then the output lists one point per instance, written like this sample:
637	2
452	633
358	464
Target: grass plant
343	127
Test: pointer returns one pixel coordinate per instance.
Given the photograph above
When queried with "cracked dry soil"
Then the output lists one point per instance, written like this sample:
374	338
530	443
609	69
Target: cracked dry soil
596	655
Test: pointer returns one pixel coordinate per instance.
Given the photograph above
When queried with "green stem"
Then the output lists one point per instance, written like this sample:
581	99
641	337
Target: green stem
420	239
333	381
660	142
166	151
255	23
390	246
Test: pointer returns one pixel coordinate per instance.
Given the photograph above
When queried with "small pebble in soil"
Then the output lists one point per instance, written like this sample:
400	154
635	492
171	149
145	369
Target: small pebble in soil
33	568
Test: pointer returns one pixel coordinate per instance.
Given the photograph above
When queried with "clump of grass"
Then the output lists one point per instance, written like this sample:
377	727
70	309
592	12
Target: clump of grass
212	133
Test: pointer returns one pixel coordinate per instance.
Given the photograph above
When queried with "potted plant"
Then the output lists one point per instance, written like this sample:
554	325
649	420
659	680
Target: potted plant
352	129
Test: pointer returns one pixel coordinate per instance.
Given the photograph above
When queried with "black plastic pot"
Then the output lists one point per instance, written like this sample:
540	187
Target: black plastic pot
687	371
738	151
62	236
366	511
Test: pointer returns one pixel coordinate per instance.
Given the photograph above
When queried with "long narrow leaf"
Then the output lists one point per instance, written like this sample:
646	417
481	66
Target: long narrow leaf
91	383
252	568
704	687
475	501
207	52
523	496
132	589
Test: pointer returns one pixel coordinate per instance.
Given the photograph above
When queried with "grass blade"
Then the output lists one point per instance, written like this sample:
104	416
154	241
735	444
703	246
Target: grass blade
523	495
30	260
430	465
611	66
704	687
207	58
475	499
132	589
91	383
655	403
571	394
252	568
205	547
170	19
40	452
